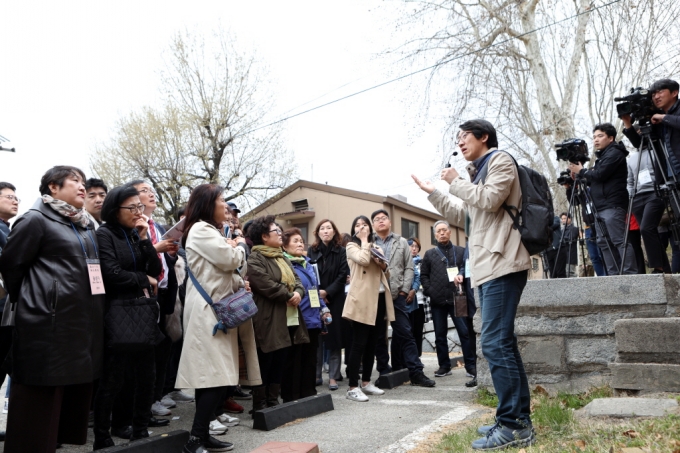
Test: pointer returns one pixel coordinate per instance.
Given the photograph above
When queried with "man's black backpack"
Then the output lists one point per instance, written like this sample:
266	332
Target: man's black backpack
534	221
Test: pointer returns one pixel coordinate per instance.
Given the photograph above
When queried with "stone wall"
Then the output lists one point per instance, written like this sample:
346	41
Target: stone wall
565	327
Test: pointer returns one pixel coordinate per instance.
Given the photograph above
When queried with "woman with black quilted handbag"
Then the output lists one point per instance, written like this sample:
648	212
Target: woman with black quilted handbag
128	260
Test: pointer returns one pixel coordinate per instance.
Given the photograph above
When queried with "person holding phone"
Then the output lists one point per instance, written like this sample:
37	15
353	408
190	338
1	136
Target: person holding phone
368	303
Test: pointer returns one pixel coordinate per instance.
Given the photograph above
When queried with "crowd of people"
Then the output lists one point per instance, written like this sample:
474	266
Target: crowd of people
109	318
84	257
624	190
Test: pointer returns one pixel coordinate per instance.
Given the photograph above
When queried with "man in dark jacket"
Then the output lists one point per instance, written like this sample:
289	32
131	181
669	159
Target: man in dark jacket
569	245
664	125
438	271
607	180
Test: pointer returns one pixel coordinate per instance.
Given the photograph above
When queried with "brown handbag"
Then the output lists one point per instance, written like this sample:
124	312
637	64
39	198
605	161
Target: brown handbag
460	307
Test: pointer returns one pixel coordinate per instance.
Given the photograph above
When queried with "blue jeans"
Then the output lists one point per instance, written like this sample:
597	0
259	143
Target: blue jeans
440	318
498	300
594	253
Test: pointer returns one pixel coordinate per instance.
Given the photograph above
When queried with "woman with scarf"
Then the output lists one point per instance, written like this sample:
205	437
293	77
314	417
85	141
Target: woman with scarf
48	263
129	259
329	255
277	292
299	377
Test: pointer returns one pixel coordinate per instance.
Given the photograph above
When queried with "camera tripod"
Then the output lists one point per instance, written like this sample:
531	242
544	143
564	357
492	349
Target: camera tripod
589	216
668	190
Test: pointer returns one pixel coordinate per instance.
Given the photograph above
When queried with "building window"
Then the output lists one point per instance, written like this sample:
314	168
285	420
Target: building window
409	228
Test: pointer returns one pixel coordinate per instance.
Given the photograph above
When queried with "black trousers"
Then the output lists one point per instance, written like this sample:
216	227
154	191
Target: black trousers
43	416
5	346
299	376
417	320
364	338
272	364
207	401
162	353
648	209
173	366
142	366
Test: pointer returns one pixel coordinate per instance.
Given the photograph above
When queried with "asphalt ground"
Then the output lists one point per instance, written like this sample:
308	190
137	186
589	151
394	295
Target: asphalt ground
392	423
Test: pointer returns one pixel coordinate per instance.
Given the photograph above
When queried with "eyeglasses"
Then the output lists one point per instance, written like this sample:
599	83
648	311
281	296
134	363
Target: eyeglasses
463	136
277	231
379	219
12	197
134	209
145	190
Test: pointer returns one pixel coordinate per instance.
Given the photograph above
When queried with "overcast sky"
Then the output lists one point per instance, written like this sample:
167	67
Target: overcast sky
70	69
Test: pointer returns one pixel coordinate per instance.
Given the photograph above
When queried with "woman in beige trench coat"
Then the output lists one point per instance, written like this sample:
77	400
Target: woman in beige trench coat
209	363
367	305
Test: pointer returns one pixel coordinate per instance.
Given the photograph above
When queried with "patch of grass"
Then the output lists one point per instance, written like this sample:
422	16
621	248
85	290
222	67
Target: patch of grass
486	398
558	431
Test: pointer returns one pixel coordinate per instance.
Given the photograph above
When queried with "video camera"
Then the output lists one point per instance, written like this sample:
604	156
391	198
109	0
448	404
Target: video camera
638	104
573	150
564	178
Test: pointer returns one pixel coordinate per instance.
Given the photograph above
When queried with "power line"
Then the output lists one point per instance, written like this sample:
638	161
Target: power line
444	62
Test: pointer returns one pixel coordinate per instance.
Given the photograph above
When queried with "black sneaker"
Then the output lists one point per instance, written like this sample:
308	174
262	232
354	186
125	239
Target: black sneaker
239	394
157	422
124	433
442	371
471	383
100	444
195	445
422	381
212	444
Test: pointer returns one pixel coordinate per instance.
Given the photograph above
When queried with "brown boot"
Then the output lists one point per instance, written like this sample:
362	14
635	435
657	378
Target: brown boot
273	392
259	399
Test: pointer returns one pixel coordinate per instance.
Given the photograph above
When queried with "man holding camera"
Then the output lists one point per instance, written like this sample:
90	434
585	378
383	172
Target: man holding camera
607	181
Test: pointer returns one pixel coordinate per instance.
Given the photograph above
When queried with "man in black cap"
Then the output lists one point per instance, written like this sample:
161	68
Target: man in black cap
665	97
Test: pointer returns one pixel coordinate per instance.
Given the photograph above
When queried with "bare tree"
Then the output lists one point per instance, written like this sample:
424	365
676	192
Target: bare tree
538	73
214	99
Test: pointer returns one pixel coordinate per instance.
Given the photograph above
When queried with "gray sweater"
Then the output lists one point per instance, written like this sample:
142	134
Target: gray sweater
645	164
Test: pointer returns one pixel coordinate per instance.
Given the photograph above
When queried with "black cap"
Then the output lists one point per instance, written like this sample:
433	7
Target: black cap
233	207
663	84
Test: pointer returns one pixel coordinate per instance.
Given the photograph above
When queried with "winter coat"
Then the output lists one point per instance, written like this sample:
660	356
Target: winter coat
59	325
400	265
433	274
333	271
362	299
607	179
209	360
271	297
311	315
125	276
496	248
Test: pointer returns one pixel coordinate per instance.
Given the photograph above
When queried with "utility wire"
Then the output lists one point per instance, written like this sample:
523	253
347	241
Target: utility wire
447	61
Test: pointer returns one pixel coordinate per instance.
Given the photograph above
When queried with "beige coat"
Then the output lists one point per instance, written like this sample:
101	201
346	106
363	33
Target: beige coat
207	360
361	304
496	248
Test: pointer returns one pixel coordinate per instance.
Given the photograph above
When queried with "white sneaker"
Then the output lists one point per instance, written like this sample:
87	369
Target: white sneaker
356	395
168	402
325	368
180	397
371	389
5	409
158	409
217	428
228	420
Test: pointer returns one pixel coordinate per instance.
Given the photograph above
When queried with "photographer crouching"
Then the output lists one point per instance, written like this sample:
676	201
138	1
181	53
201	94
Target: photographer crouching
607	180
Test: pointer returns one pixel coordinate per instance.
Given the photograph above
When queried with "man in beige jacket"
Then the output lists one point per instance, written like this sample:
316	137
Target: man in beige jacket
498	266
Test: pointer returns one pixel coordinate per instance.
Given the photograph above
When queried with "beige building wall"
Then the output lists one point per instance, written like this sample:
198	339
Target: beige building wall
342	206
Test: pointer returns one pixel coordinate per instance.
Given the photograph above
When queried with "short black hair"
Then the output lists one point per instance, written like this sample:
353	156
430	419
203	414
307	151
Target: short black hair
567	214
7	185
607	128
94	182
479	128
379	211
113	200
663	84
259	228
57	175
355	239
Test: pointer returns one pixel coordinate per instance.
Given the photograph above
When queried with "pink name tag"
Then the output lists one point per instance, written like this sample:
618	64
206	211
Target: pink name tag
94	270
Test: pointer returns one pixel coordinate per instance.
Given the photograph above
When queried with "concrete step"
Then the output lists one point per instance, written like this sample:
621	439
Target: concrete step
650	340
646	376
